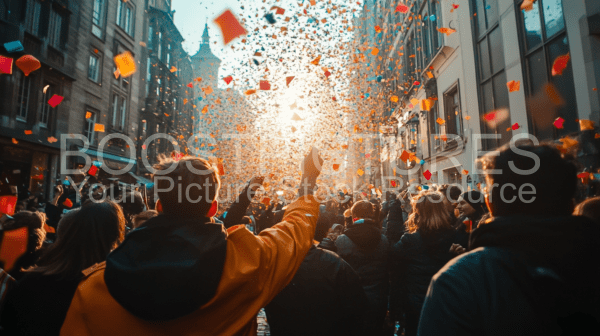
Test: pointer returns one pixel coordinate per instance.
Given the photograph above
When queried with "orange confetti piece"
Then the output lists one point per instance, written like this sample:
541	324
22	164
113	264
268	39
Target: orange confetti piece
375	51
173	69
440	121
513	86
405	156
447	31
288	80
560	64
465	172
426	105
28	132
360	172
208	90
230	26
88	115
15	141
429	74
336	166
249	92
28	64
316	60
205	109
125	64
378	29
586	125
52	139
394	99
527	5
99	128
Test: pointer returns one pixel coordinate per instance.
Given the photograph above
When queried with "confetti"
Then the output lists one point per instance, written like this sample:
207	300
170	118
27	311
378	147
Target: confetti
586	125
560	64
405	156
360	172
15	141
515	126
13	46
265	85
375	51
55	100
52	139
228	79
494	118
288	80
467	117
230	26
28	64
270	18
28	132
394	99
173	69
99	128
427	175
440	121
402	9
336	166
527	5
465	172
88	115
68	203
249	92
316	60
125	64
6	64
447	31
559	123
513	86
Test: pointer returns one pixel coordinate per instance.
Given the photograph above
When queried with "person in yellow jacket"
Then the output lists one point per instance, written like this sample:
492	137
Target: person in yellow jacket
182	274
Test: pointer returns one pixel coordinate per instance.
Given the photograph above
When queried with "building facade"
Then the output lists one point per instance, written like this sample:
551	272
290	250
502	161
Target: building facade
452	66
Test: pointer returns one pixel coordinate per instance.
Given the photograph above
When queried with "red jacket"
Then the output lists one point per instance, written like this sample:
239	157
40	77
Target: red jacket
255	269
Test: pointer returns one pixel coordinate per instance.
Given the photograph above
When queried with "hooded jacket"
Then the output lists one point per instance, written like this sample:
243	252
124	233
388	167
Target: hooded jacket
324	298
367	250
524	276
188	277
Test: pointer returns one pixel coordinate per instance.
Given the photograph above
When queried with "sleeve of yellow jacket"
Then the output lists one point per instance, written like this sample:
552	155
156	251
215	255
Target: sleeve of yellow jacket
256	269
273	257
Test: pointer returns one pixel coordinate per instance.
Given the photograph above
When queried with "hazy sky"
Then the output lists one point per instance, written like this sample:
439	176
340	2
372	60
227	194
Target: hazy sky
191	16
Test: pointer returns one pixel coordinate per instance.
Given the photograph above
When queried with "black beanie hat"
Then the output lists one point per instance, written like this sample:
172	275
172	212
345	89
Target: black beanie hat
476	200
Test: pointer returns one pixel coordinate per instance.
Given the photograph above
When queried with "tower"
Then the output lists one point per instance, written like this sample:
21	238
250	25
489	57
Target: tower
205	63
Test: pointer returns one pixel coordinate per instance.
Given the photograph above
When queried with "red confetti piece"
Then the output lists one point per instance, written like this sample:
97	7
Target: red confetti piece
288	80
427	175
230	26
28	64
417	83
558	123
190	85
68	203
221	169
560	64
228	79
336	166
378	29
265	85
405	156
93	171
28	132
55	100
402	9
327	73
515	126
6	64
583	175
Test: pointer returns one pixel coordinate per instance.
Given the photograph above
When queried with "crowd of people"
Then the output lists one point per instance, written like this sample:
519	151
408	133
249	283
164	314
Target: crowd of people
438	261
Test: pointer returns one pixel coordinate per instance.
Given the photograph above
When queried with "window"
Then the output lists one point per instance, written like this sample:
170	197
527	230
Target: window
32	17
430	38
160	46
46	108
124	16
55	31
545	39
152	2
435	130
2	10
90	122
98	18
148	75
158	87
23	97
169	56
452	111
119	111
94	68
150	36
492	77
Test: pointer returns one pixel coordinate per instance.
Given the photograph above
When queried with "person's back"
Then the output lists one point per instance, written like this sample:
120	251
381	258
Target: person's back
39	303
182	274
532	267
366	249
325	297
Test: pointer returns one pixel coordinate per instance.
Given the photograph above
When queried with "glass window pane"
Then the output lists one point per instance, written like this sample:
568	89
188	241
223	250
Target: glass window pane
533	27
538	75
484	59
501	101
487	95
565	85
480	11
496	50
491	12
553	17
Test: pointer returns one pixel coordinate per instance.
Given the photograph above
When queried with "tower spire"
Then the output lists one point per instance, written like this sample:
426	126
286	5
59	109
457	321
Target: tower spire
205	36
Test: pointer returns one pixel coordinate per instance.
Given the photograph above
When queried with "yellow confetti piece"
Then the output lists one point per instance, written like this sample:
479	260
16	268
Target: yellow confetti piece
125	64
375	51
360	172
99	128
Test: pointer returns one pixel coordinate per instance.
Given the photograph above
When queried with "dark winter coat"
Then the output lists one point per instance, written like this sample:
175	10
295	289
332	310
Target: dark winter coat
367	250
416	258
325	297
524	276
38	305
395	222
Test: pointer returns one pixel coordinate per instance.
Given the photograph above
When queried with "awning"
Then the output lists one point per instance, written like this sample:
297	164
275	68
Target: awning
142	180
106	155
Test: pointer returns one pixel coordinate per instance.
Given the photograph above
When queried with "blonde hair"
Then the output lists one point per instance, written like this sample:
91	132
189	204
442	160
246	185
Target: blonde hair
429	213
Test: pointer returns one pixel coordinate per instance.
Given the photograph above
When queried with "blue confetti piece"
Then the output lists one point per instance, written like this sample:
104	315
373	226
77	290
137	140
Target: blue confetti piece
425	187
379	78
13	46
422	162
488	7
426	18
432	18
371	79
367	95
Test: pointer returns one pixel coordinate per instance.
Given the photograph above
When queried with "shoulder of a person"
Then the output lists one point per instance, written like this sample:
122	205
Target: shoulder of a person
472	265
93	270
